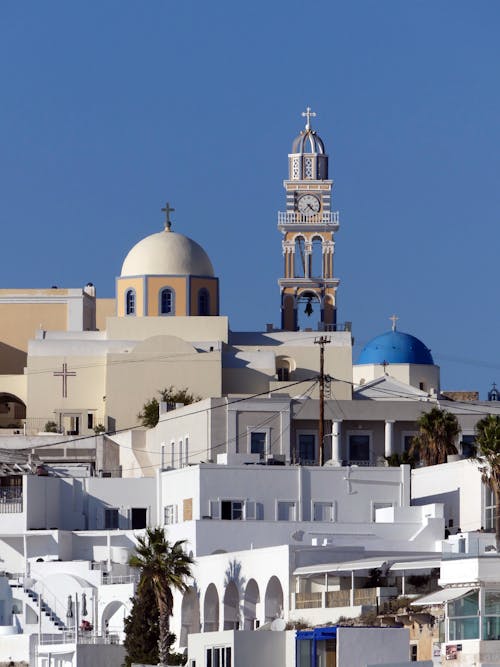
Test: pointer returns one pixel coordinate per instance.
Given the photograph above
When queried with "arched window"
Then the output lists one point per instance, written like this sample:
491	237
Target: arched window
167	301
300	261
203	302
130	302
317	258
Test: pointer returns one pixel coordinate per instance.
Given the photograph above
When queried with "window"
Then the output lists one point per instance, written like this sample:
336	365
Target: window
203	302
139	518
218	656
307	448
170	514
258	443
111	519
489	508
283	374
468	445
232	510
90	420
359	448
463	620
413	652
166	301
378	506
286	510
130	302
491	617
186	450
323	511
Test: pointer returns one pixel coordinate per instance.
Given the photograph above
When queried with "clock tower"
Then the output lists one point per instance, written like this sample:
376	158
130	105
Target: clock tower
308	226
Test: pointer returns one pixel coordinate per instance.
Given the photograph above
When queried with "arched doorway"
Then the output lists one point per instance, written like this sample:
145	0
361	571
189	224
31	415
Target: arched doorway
250	601
211	610
190	615
231	607
273	600
12	411
112	619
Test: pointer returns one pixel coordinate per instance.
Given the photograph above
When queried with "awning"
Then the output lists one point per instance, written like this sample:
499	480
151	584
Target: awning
402	565
351	566
445	595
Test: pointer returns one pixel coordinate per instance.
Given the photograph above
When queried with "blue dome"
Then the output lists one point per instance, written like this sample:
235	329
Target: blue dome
395	347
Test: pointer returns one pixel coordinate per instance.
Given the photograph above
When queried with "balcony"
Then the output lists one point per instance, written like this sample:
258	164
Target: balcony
344	598
11	500
326	219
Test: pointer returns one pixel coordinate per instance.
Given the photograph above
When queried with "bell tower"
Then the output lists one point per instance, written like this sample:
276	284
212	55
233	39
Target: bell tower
308	226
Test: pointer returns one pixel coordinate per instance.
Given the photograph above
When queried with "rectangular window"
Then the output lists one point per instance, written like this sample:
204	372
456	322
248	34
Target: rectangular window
258	443
286	510
170	514
90	420
359	449
468	445
413	652
323	512
111	519
378	506
139	518
463	617
307	448
186	450
218	656
232	510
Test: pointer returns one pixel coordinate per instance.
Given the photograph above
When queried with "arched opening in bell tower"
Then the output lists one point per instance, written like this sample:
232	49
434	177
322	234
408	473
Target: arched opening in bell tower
317	257
300	258
308	307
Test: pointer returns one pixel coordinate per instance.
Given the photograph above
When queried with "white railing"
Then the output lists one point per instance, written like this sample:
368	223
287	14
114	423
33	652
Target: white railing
81	637
120	578
296	218
11	500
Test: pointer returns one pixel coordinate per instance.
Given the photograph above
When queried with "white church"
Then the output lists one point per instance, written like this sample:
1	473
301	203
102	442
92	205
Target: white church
289	441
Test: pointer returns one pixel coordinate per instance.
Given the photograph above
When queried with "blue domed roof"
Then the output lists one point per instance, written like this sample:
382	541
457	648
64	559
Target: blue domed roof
395	347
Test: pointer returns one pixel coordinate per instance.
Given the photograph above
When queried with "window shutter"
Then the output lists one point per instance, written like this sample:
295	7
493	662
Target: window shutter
250	509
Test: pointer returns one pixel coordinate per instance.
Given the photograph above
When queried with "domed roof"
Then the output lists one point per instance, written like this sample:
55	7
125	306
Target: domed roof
308	141
167	253
395	347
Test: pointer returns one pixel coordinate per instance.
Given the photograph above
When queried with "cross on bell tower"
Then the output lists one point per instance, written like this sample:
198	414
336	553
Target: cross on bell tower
308	226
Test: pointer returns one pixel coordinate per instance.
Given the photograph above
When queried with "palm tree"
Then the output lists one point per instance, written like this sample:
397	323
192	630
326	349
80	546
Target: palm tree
487	443
438	430
164	566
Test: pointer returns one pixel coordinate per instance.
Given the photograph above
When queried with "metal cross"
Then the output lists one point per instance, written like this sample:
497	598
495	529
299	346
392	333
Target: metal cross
308	114
394	319
167	209
64	374
385	364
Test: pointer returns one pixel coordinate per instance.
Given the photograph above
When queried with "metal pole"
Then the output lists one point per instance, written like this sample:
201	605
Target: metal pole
322	341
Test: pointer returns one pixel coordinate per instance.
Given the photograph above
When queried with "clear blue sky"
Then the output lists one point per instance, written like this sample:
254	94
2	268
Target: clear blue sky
110	108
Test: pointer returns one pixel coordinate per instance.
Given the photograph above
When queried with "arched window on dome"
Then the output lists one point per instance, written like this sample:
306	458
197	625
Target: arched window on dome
167	301
203	302
130	302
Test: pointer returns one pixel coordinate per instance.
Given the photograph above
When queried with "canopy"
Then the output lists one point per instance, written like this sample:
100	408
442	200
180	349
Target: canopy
445	595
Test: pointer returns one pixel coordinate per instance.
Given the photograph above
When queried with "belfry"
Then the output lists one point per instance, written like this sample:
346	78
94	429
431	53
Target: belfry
308	226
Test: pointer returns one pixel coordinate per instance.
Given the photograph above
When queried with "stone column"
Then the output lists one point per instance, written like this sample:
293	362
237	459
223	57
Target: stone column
389	437
337	442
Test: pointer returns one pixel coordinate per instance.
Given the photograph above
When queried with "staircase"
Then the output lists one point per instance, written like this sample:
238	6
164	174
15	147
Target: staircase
43	608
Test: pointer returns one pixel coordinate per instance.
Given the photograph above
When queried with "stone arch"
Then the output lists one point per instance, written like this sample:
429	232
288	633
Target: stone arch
211	609
250	601
231	607
12	411
190	615
273	605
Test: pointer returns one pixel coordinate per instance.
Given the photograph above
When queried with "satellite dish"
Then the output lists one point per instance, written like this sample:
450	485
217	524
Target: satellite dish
278	625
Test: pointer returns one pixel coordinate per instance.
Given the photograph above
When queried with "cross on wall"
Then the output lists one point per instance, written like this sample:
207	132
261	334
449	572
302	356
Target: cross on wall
64	374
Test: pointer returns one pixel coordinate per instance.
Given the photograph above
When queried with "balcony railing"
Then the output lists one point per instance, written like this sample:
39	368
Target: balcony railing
308	600
11	500
327	218
344	598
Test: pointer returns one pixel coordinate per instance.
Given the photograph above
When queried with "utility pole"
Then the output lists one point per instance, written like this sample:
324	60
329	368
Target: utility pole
322	341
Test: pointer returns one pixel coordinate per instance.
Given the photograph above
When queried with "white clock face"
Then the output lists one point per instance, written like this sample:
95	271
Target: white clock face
308	205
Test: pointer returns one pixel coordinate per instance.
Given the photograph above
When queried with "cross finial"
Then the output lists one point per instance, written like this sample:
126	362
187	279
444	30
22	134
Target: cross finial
308	114
167	209
394	319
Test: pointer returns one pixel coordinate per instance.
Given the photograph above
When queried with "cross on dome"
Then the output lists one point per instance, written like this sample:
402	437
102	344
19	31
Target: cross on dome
167	209
394	319
308	113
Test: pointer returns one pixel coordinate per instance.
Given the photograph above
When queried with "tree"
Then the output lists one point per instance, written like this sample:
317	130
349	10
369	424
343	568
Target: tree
141	630
488	454
438	430
164	567
149	414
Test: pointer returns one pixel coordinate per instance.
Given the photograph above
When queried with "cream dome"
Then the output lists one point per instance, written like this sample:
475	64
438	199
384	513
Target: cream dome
167	253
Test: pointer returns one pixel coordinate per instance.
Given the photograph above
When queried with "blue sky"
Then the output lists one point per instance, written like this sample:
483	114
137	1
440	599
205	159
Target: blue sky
110	108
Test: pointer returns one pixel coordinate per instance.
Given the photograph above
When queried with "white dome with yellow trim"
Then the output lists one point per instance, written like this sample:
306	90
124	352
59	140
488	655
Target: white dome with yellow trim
165	254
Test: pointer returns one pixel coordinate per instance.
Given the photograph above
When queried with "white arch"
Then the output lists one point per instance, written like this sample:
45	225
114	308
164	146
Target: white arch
190	615
211	609
250	601
273	606
231	607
